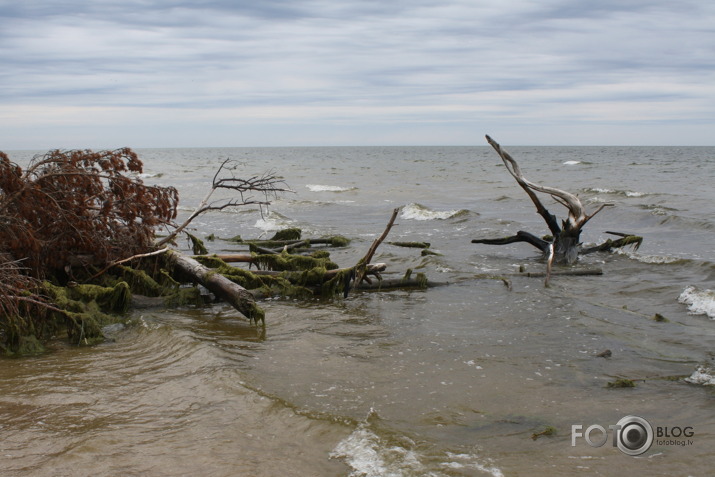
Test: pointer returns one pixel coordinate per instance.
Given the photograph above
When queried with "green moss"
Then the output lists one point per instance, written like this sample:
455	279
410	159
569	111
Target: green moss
197	245
410	244
85	308
320	254
166	281
210	261
142	284
287	234
622	383
548	431
339	241
114	300
28	346
660	318
285	261
426	252
184	297
257	314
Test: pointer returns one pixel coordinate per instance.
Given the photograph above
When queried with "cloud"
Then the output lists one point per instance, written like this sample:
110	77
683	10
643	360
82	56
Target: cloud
511	64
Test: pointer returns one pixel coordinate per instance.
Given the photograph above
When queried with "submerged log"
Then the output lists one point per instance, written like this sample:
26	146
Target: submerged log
222	287
565	273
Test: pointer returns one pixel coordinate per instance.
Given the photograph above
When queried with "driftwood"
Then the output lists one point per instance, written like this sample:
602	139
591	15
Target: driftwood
372	269
566	273
360	271
564	244
222	287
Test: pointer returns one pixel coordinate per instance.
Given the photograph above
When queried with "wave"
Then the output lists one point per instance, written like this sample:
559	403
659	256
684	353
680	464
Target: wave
273	221
420	212
571	163
369	455
328	188
644	258
148	175
626	193
700	302
703	375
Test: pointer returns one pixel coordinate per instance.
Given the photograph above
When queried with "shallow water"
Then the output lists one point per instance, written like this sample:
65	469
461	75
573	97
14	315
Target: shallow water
452	380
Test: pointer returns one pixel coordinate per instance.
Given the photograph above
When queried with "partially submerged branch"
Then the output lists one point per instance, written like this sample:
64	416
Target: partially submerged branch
361	267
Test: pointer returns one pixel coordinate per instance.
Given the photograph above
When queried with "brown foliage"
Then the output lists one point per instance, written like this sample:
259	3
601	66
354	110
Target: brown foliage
70	204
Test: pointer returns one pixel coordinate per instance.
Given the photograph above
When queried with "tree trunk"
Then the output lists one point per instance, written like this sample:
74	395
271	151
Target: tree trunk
222	287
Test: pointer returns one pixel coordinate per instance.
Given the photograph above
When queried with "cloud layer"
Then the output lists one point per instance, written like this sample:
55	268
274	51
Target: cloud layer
358	72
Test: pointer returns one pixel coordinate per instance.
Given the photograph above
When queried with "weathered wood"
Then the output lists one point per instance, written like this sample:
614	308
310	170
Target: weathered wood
564	244
396	283
222	287
235	257
572	273
360	270
410	244
372	269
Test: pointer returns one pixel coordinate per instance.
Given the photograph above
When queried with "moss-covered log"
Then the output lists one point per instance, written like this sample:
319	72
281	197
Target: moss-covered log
222	287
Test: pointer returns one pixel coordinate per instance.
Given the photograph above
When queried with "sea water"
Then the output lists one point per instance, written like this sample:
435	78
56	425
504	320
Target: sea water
455	380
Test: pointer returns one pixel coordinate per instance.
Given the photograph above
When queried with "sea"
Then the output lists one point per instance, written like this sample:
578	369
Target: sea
488	373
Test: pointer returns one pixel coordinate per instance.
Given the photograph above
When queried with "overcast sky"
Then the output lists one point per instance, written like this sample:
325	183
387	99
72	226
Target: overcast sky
184	73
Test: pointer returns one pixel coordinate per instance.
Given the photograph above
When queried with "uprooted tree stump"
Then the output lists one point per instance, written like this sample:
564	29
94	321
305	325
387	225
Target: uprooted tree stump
564	243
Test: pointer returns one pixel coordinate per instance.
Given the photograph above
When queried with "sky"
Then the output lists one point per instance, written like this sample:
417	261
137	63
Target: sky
231	73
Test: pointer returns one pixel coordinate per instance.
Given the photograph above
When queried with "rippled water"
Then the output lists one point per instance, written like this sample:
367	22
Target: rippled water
452	380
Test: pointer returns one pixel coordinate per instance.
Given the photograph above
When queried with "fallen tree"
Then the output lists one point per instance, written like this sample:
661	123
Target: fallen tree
564	243
78	248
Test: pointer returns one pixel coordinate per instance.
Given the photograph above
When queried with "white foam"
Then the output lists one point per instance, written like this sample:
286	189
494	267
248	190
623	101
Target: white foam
644	258
700	302
272	221
369	456
627	193
471	461
327	188
364	452
420	212
702	375
571	163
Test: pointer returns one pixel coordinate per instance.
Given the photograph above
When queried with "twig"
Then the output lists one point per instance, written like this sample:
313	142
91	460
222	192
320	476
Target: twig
119	262
268	184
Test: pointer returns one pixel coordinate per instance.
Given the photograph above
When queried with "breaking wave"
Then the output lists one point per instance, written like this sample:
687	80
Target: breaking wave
328	188
700	302
703	375
273	221
369	455
626	193
645	258
420	212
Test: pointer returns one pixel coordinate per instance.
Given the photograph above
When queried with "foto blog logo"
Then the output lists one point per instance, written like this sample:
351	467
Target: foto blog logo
632	435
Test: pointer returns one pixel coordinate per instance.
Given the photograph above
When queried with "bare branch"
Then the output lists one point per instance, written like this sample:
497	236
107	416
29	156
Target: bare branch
361	267
577	213
267	184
